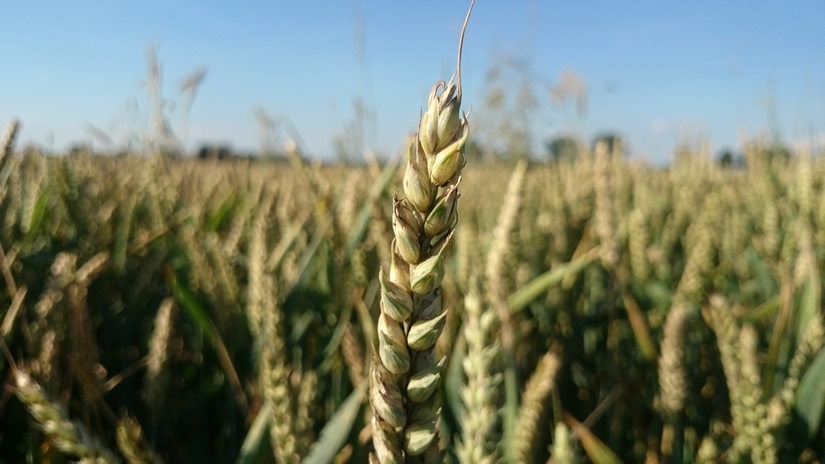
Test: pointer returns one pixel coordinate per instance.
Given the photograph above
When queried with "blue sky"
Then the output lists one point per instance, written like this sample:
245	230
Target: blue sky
654	70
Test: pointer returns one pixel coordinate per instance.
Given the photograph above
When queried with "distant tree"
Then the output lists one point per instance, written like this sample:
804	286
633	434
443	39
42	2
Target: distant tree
220	152
78	149
725	159
563	148
615	142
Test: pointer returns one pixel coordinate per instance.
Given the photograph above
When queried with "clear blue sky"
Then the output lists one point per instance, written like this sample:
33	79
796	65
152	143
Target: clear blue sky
654	69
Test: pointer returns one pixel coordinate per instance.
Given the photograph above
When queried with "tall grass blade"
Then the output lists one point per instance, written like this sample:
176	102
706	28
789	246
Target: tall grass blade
595	449
522	297
359	227
810	302
810	396
339	427
222	214
256	443
197	312
37	214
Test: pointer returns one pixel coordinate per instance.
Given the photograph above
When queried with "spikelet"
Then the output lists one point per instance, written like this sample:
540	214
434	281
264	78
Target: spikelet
353	354
405	374
672	373
638	239
156	372
84	357
738	350
481	392
752	436
502	236
303	412
225	284
605	214
9	137
265	319
727	335
536	392
275	379
709	451
701	250
69	437
50	327
496	285
132	445
255	295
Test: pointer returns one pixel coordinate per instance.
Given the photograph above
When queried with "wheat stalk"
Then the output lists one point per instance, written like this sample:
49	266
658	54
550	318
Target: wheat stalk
405	374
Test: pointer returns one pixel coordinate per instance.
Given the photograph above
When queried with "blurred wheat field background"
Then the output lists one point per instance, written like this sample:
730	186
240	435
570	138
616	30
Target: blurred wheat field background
599	310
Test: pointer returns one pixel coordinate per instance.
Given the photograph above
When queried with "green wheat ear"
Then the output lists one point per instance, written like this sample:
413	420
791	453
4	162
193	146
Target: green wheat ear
405	374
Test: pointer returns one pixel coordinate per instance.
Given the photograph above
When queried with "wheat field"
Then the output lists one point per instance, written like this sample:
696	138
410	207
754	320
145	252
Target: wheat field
596	310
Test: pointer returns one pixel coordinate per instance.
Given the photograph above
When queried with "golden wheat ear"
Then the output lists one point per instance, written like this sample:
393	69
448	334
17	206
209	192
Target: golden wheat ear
405	374
67	436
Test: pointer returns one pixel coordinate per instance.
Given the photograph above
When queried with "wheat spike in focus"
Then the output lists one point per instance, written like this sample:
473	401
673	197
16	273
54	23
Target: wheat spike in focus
405	373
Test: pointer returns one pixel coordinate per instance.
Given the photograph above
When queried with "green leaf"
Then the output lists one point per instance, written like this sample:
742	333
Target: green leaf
764	311
454	379
257	439
538	286
197	312
810	396
362	221
809	303
285	244
638	323
335	433
37	214
306	264
331	350
595	449
191	305
219	217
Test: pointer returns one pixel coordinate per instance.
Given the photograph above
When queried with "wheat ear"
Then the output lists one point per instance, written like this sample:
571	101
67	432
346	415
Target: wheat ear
8	139
405	374
673	374
66	435
480	421
538	388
